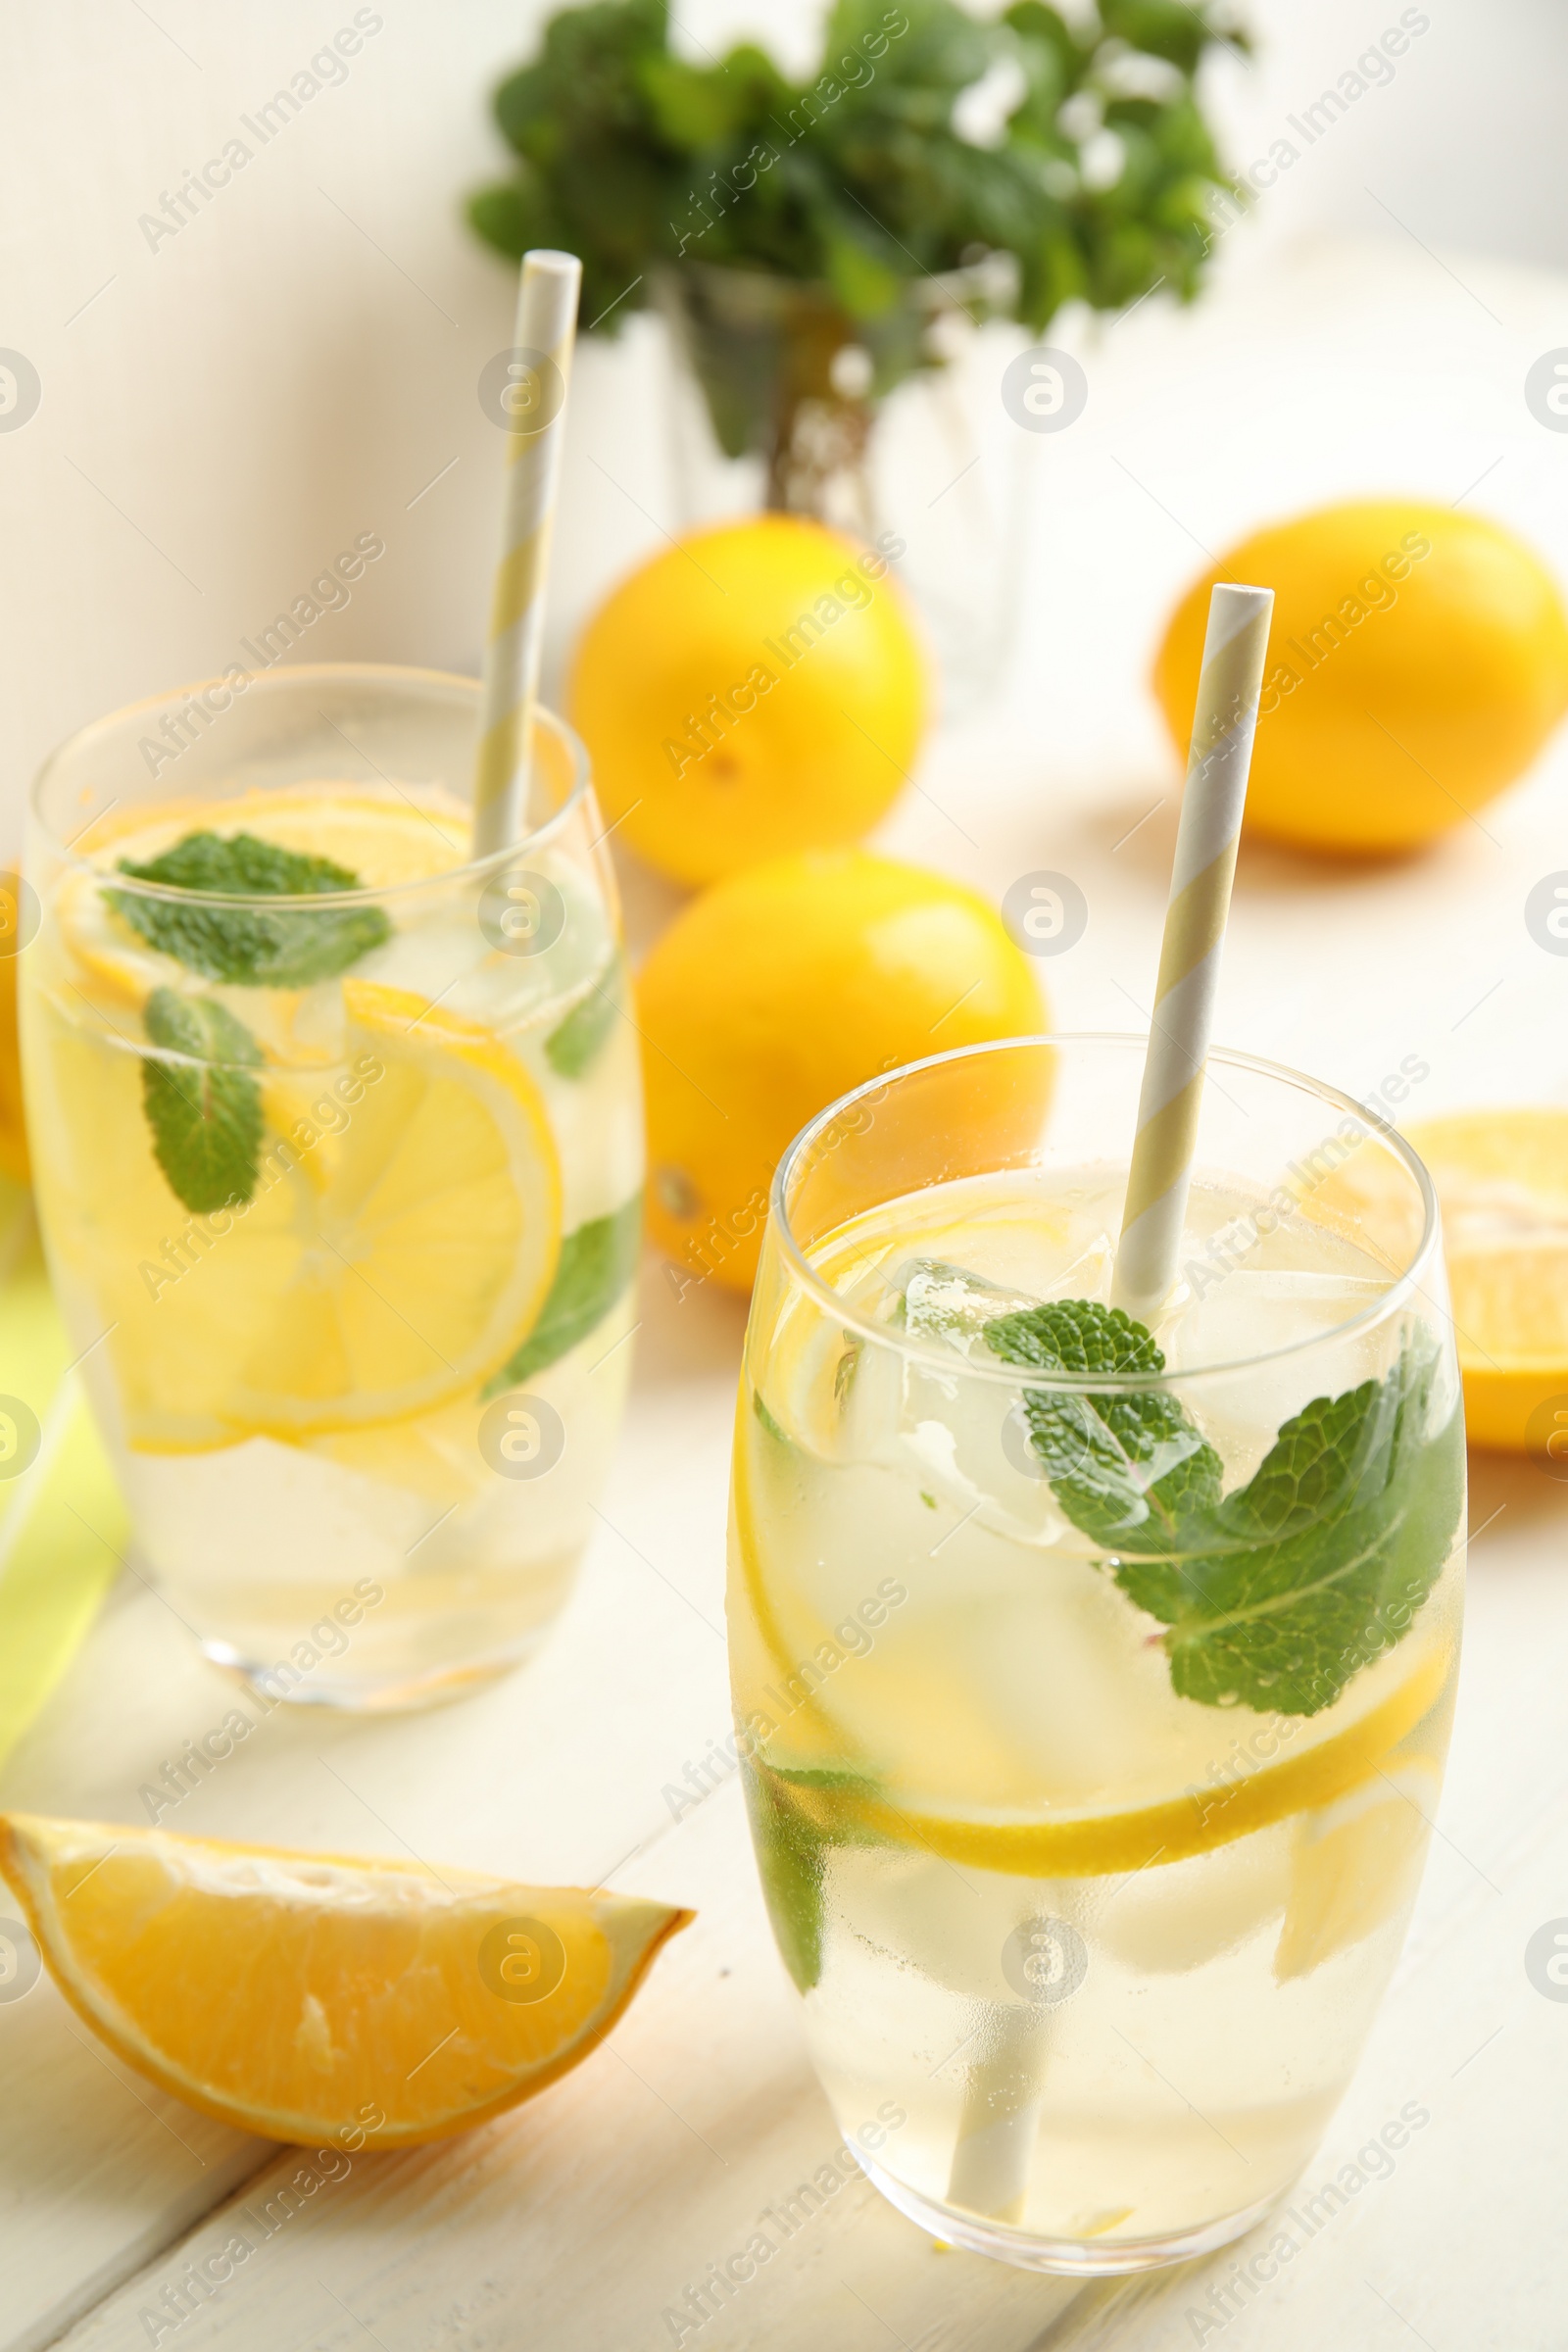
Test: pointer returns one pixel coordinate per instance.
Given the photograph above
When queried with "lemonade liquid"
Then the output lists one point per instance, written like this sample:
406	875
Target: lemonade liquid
345	1228
1112	1948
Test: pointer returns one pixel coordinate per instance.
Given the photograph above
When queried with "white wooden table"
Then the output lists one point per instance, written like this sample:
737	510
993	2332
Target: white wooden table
581	2221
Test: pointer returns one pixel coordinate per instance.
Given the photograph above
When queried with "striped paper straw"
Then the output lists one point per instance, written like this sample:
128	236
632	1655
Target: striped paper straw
1223	727
546	321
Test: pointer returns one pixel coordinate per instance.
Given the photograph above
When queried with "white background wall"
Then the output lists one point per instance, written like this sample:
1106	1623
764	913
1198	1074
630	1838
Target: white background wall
222	413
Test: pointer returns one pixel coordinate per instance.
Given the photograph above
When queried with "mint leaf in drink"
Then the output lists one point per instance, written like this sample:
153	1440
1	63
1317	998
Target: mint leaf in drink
1132	1471
791	1857
204	1108
1319	1564
798	1816
596	1263
572	1047
760	1408
845	1369
244	945
1275	1595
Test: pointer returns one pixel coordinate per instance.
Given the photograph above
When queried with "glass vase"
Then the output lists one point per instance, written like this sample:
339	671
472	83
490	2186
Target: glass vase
782	400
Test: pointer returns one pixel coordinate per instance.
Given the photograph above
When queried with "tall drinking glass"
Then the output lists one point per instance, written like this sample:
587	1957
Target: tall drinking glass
1093	1684
338	1148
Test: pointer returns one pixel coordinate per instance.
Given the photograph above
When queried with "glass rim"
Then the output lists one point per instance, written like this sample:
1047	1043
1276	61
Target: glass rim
295	902
1014	1376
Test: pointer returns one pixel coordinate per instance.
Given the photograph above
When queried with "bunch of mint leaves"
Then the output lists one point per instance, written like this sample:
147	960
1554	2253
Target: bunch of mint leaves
861	178
1274	1595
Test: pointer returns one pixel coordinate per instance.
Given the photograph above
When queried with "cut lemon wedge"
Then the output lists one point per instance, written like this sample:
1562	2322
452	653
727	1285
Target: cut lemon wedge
1502	1182
310	1997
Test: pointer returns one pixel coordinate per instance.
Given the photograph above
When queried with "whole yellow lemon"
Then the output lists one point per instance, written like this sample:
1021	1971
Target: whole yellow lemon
752	690
777	991
1418	661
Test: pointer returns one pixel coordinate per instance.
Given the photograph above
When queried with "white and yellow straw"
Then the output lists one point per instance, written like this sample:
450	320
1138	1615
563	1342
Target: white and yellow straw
547	322
1223	727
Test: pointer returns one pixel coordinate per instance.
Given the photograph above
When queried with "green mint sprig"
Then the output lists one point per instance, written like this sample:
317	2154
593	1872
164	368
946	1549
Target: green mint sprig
863	175
597	1262
244	945
1275	1595
204	1108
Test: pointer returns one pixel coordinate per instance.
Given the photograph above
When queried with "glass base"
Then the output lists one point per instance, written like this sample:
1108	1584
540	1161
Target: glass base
365	1694
1066	2257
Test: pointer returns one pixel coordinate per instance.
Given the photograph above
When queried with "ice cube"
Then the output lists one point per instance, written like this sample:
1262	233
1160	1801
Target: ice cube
1265	1314
950	1306
1257	1311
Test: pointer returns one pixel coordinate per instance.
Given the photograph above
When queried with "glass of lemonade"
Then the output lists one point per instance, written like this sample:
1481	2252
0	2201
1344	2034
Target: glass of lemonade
1093	1684
338	1147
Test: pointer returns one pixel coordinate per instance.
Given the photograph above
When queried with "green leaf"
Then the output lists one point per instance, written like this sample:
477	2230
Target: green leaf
760	1408
691	108
572	1047
244	945
1043	34
791	1856
853	180
1168	29
844	1371
864	284
595	1265
1323	1559
1275	1595
792	1843
204	1108
506	218
1131	1470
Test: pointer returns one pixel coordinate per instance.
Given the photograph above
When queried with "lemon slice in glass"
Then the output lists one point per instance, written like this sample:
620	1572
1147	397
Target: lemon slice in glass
400	1276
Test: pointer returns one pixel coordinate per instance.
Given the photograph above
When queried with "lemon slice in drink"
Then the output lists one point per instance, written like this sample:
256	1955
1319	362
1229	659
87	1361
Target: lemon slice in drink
1355	1863
113	967
320	1999
439	1226
820	1785
383	836
397	1278
110	972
